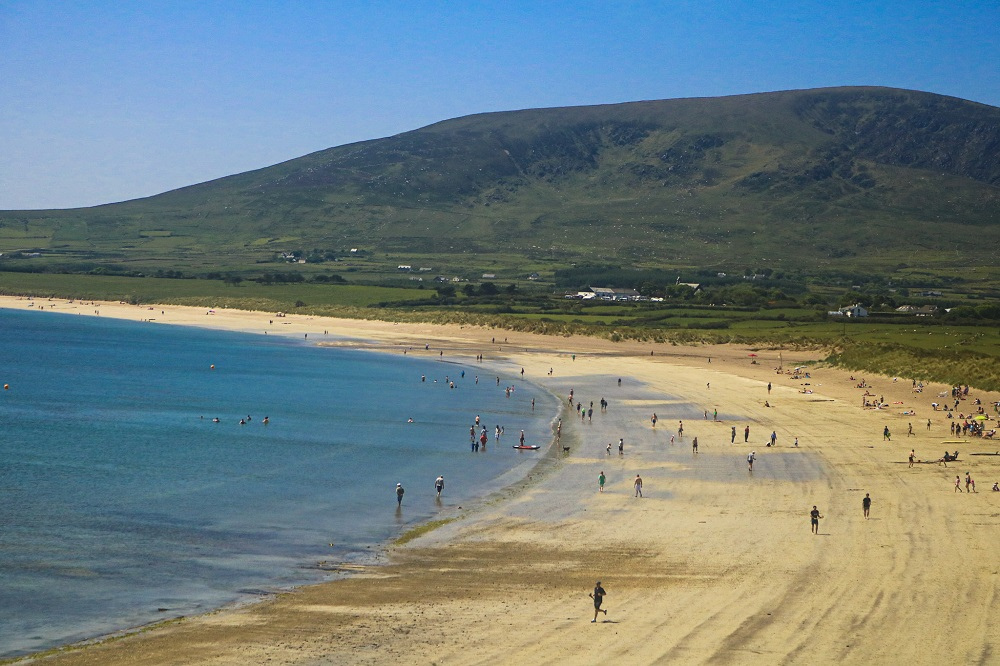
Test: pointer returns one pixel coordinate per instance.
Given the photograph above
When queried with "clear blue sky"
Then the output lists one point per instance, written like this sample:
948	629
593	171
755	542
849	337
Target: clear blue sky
106	101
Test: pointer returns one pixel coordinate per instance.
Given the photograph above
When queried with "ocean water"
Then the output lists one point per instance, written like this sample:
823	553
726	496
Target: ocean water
122	502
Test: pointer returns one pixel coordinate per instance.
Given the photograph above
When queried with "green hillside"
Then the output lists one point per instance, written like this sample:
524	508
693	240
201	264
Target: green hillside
815	183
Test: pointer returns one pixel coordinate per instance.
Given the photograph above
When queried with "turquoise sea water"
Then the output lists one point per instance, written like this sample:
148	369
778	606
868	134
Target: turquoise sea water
123	503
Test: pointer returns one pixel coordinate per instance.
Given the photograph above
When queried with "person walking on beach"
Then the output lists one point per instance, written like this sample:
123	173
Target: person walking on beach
769	388
439	485
774	437
732	438
886	437
750	459
601	479
399	494
746	434
694	445
680	429
913	455
958	484
598	596
968	482
909	432
638	486
653	419
814	519
621	446
866	504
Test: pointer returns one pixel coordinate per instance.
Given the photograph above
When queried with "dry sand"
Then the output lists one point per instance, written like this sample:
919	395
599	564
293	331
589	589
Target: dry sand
713	565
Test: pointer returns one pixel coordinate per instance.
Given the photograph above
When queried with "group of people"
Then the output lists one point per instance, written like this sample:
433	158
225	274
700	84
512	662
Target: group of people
438	488
970	484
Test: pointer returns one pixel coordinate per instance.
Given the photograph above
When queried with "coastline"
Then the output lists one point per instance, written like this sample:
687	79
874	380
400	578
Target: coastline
344	560
711	565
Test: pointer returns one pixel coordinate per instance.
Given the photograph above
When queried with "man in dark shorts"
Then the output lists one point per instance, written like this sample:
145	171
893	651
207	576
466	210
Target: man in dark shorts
814	519
399	494
598	596
866	504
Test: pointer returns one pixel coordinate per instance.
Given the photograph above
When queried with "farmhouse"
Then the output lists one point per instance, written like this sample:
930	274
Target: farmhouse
612	294
849	311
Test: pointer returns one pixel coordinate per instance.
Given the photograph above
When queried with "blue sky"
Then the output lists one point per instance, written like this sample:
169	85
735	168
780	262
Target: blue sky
107	101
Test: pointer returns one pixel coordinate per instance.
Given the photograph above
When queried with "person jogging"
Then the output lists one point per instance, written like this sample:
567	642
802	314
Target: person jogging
814	517
598	596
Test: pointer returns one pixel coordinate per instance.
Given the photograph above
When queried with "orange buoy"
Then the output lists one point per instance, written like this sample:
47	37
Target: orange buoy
6	387
213	366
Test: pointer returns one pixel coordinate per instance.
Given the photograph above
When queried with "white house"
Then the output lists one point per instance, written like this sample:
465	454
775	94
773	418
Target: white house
849	311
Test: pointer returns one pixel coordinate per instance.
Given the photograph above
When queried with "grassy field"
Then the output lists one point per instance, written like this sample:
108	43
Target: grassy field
905	347
251	295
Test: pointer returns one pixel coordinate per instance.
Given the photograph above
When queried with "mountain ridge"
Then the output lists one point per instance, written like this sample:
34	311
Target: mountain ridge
802	178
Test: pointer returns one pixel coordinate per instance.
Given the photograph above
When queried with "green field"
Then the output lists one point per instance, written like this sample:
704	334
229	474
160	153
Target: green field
245	295
925	349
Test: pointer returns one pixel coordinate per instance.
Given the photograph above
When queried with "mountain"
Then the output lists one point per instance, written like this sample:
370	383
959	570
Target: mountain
826	180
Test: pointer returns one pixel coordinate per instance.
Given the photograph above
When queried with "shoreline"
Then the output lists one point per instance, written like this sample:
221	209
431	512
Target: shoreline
713	564
327	570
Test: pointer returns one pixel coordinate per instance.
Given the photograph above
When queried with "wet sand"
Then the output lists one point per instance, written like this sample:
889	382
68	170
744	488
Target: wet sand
713	565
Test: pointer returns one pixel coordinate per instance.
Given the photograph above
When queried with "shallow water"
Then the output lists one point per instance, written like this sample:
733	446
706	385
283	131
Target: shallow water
122	502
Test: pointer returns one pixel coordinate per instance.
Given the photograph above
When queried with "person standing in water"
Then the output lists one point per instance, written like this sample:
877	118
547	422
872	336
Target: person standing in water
399	494
439	485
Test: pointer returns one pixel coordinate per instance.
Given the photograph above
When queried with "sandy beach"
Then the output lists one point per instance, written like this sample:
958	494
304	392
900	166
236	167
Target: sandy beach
714	564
